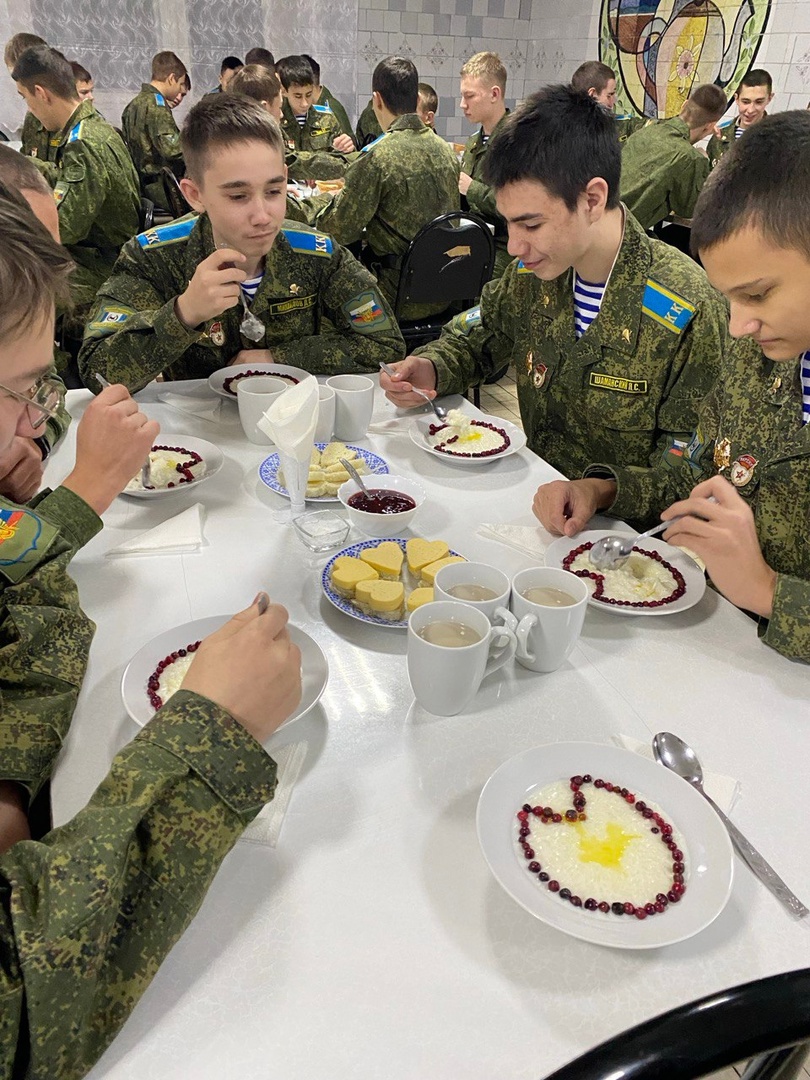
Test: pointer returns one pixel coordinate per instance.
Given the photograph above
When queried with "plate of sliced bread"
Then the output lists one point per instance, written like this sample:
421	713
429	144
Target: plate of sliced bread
326	474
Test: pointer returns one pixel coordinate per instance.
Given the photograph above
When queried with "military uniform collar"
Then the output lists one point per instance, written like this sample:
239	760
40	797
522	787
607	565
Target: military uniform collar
781	382
84	110
147	88
408	122
678	126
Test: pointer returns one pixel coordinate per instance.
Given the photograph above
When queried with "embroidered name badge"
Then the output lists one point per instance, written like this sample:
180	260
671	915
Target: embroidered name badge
617	383
666	308
366	313
296	303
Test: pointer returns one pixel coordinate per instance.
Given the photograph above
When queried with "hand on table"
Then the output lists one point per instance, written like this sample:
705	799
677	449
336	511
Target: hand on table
344	144
252	356
250	668
464	182
724	535
213	289
113	440
20	470
565	507
412	371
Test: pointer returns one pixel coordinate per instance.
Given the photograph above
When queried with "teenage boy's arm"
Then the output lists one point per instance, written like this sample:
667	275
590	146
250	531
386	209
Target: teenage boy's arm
347	214
164	136
81	189
481	200
688	179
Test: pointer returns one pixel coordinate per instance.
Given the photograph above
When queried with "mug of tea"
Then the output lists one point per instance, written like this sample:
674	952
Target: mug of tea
548	610
481	586
451	648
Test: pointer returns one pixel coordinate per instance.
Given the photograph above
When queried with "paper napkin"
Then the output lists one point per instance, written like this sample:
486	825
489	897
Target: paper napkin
290	422
266	826
530	539
203	407
725	790
181	533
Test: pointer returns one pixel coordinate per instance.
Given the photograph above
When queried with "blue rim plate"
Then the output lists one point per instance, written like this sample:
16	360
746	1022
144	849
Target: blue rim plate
268	471
346	606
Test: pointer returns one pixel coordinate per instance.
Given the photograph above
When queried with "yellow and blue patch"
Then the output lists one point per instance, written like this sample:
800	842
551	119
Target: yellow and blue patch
75	133
309	243
322	108
173	233
159	98
666	308
521	269
108	319
23	539
366	313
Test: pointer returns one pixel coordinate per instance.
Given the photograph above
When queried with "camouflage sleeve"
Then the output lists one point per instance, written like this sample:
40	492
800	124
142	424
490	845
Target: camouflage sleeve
80	191
345	216
44	635
48	170
164	136
57	426
133	332
342	118
788	629
88	914
317	164
476	343
363	330
481	200
686	185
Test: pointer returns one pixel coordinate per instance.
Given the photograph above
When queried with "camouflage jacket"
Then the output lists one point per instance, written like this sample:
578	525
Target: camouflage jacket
328	98
368	127
716	147
629	385
662	173
480	198
399	183
134	333
628	123
153	140
749	427
37	141
320	129
96	195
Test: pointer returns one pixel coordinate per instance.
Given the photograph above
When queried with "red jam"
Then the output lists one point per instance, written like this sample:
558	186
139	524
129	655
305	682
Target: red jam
384	502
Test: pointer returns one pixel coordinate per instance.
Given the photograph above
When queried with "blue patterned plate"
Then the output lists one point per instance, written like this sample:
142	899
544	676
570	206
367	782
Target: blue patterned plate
268	471
346	606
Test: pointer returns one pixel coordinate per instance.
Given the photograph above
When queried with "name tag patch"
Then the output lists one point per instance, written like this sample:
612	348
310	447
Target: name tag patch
617	383
296	303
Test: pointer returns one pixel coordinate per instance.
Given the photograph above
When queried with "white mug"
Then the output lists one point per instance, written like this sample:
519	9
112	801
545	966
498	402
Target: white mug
445	679
471	573
254	397
546	634
354	404
326	414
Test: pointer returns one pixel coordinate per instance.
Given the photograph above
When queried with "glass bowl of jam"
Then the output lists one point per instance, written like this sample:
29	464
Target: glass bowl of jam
393	507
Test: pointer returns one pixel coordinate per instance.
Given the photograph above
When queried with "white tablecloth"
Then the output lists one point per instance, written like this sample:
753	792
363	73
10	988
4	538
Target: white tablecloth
373	942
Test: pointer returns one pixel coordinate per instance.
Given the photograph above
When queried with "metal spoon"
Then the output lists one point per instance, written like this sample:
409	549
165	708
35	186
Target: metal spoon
438	410
674	753
355	475
146	468
611	552
251	327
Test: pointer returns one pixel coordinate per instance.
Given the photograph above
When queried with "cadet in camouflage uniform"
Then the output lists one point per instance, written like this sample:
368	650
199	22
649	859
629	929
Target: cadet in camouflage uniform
662	172
323	96
368	127
399	183
752	99
96	189
627	125
150	130
320	127
88	914
632	381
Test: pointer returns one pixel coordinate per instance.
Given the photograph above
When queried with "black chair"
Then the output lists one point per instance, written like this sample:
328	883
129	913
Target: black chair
147	215
766	1023
176	202
448	262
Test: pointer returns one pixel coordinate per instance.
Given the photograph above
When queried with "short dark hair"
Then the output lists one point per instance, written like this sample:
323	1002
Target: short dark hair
258	55
218	121
745	189
757	77
429	97
47	68
80	73
295	71
704	105
396	80
19	172
316	67
167	63
560	138
17	45
256	82
230	63
592	74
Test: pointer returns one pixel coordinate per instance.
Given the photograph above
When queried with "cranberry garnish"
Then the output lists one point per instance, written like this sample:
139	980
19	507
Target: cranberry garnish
534	867
554	886
590	904
603	906
617	908
629	908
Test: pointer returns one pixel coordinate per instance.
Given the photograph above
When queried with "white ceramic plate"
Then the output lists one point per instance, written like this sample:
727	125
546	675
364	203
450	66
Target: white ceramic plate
346	606
314	668
692	574
216	382
211	455
517	440
707	847
268	471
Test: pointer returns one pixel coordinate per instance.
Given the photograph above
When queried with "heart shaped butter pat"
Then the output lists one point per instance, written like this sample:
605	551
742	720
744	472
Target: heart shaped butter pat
429	572
421	552
348	572
419	597
381	598
386	558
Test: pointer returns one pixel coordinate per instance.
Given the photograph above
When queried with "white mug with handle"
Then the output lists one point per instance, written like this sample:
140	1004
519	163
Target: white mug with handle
546	632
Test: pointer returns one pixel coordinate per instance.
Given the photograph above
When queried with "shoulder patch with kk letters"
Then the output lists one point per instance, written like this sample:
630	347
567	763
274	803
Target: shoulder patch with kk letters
666	308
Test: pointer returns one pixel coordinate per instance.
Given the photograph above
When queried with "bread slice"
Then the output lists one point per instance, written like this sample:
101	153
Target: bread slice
333	452
384	599
421	552
430	571
348	572
386	558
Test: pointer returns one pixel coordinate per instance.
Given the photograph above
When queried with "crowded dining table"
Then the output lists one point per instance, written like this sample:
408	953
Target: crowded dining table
362	934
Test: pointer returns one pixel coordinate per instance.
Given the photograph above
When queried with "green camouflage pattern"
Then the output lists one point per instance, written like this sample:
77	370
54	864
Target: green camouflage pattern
480	198
368	127
153	140
631	383
320	129
717	146
97	198
88	914
37	141
338	111
756	404
309	300
56	426
398	184
317	164
662	173
626	125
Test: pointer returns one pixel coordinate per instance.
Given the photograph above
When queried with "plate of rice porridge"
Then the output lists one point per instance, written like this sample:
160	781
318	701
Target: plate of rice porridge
176	463
467	440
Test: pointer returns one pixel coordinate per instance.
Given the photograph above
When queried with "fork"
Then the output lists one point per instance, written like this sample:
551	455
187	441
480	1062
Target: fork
146	468
440	412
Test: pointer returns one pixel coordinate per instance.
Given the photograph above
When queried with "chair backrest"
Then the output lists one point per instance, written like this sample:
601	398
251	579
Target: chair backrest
176	200
448	261
147	215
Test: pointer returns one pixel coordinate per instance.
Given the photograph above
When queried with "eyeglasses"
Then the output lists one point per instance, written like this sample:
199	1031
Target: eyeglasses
46	396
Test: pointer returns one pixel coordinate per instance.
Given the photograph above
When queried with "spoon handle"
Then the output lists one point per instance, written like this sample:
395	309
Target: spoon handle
758	866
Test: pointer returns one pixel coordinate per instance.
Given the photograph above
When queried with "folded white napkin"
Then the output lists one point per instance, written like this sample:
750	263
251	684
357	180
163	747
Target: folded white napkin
181	533
290	422
203	407
725	790
266	826
530	539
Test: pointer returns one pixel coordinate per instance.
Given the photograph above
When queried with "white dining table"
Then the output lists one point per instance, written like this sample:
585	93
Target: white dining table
372	941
